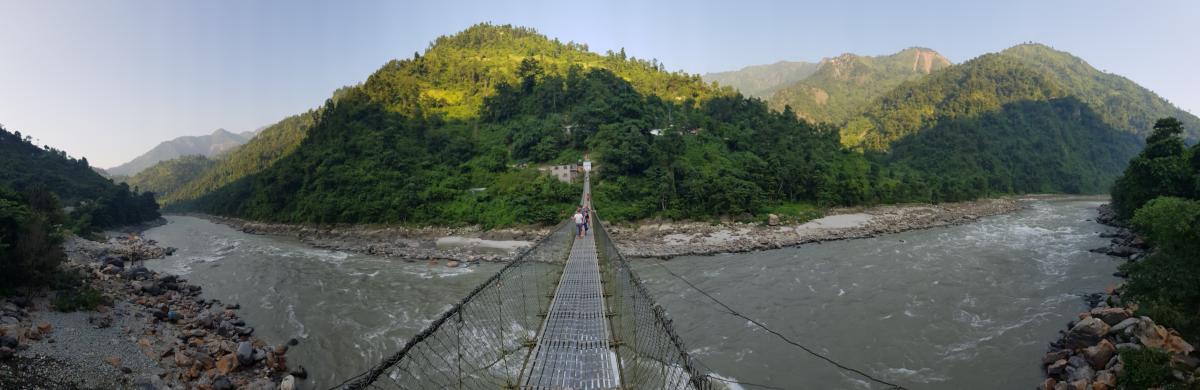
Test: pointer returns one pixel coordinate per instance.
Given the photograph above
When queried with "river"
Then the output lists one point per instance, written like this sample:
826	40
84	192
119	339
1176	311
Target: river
947	308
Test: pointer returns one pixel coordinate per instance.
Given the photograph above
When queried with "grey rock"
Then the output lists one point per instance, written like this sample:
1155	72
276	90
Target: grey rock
9	342
1084	373
245	354
222	383
1123	324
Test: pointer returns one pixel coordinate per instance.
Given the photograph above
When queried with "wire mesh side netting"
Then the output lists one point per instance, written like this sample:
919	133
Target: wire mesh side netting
483	341
651	354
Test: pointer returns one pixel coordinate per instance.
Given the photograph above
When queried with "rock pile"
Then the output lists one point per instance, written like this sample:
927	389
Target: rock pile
1085	357
198	342
16	328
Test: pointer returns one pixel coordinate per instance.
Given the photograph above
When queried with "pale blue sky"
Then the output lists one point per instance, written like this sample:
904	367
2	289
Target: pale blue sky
108	80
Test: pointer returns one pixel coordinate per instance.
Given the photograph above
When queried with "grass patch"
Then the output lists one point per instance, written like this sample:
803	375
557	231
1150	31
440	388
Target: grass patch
74	292
794	212
1147	368
83	298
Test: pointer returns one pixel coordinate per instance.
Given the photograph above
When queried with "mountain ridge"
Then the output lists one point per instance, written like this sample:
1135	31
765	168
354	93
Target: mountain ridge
208	145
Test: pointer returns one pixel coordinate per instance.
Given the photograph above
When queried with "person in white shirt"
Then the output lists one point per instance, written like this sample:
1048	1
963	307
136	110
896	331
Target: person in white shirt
578	218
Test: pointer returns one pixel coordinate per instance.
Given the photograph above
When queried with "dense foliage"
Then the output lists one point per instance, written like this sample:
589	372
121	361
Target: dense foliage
167	177
1122	103
271	144
1022	73
981	85
95	202
1159	193
846	84
1055	146
30	237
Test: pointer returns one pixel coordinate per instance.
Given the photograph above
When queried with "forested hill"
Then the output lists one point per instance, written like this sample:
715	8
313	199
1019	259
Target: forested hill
761	81
96	202
448	81
844	85
1030	146
452	136
1121	102
984	84
981	85
210	145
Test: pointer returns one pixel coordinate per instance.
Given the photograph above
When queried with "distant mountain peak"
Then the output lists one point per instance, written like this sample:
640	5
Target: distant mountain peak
217	142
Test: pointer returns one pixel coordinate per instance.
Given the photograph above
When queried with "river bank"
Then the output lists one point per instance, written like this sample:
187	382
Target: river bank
1086	355
667	239
650	238
453	245
150	330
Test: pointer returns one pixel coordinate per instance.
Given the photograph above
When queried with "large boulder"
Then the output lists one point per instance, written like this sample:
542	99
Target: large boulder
1098	355
1087	332
1111	315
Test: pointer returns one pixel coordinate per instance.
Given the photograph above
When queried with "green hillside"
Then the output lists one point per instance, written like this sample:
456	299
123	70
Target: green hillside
844	85
387	152
1036	146
1121	102
984	84
169	176
449	81
453	135
271	144
95	201
980	85
761	81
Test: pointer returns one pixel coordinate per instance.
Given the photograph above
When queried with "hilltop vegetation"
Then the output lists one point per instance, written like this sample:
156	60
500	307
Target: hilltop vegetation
95	201
844	85
977	86
1121	102
1028	72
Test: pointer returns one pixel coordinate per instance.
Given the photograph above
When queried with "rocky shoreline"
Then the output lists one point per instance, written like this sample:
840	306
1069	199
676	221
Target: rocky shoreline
152	331
459	245
1086	354
667	239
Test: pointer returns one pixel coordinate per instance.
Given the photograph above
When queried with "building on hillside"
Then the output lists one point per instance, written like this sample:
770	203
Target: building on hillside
564	173
569	173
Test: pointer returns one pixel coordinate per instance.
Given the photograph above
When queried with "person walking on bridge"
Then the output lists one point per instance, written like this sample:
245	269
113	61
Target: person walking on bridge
579	222
587	219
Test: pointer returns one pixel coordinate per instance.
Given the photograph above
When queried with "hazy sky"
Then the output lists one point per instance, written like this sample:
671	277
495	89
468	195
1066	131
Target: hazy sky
108	80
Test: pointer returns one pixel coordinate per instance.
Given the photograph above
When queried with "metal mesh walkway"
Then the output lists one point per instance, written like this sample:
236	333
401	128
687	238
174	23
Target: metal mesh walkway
573	351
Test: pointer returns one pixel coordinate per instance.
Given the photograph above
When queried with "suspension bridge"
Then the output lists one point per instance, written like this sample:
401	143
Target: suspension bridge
568	313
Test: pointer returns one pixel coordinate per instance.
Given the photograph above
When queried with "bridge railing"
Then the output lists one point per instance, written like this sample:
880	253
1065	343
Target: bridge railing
482	341
651	355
